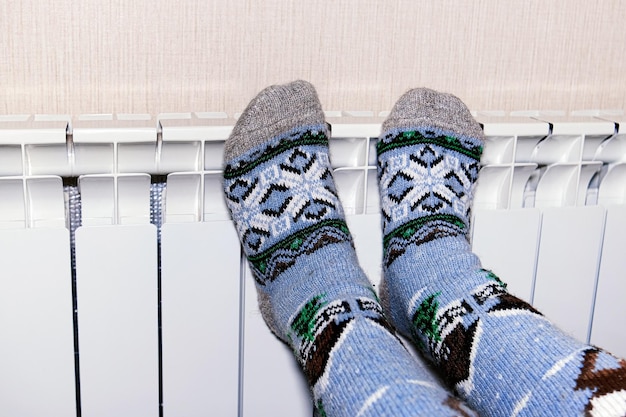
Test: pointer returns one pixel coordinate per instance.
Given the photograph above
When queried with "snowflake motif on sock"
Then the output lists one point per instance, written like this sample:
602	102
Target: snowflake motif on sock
274	200
427	182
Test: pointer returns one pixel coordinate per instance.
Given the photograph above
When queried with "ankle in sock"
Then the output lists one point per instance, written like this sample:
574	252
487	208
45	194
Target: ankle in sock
312	293
494	349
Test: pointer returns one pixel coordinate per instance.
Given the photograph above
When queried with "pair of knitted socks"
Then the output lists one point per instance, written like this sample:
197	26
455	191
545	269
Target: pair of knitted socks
498	354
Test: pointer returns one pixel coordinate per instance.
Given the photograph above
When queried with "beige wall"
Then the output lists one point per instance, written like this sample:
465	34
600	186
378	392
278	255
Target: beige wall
155	56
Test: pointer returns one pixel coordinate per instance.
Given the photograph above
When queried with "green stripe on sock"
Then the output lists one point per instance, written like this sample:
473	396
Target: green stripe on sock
307	138
294	241
413	137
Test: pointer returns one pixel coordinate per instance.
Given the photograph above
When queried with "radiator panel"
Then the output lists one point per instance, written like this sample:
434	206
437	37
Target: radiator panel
507	242
567	266
263	357
200	292
37	349
116	268
610	308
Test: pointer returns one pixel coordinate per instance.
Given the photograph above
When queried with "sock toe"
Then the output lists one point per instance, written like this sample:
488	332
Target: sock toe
423	107
275	110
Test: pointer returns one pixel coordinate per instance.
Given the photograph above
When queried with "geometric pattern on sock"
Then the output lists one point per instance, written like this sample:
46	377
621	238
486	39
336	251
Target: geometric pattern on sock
283	200
319	325
449	332
418	231
426	180
246	163
605	382
269	264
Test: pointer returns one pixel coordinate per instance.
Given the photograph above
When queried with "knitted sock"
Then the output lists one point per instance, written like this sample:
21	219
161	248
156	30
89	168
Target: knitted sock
312	293
495	350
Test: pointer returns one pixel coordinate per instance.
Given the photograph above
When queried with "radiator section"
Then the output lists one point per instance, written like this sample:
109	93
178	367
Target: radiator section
123	290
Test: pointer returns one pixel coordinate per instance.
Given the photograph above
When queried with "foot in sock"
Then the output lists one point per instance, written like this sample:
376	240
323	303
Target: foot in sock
499	354
312	293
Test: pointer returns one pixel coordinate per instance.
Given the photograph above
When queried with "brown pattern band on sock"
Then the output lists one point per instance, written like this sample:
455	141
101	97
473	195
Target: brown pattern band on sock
267	266
452	352
454	357
319	326
601	382
315	363
511	302
396	246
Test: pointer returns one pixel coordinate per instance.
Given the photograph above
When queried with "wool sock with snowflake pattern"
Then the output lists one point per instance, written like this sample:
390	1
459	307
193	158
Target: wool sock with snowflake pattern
312	293
498	353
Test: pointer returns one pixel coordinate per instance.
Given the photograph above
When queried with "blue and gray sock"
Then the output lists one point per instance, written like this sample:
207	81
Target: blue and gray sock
312	293
494	349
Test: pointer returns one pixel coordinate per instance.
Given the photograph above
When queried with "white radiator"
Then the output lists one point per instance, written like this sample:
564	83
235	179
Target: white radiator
156	314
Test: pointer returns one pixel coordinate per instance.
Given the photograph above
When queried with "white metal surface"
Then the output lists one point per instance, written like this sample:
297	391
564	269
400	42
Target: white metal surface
200	286
37	349
264	355
116	268
610	308
567	266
